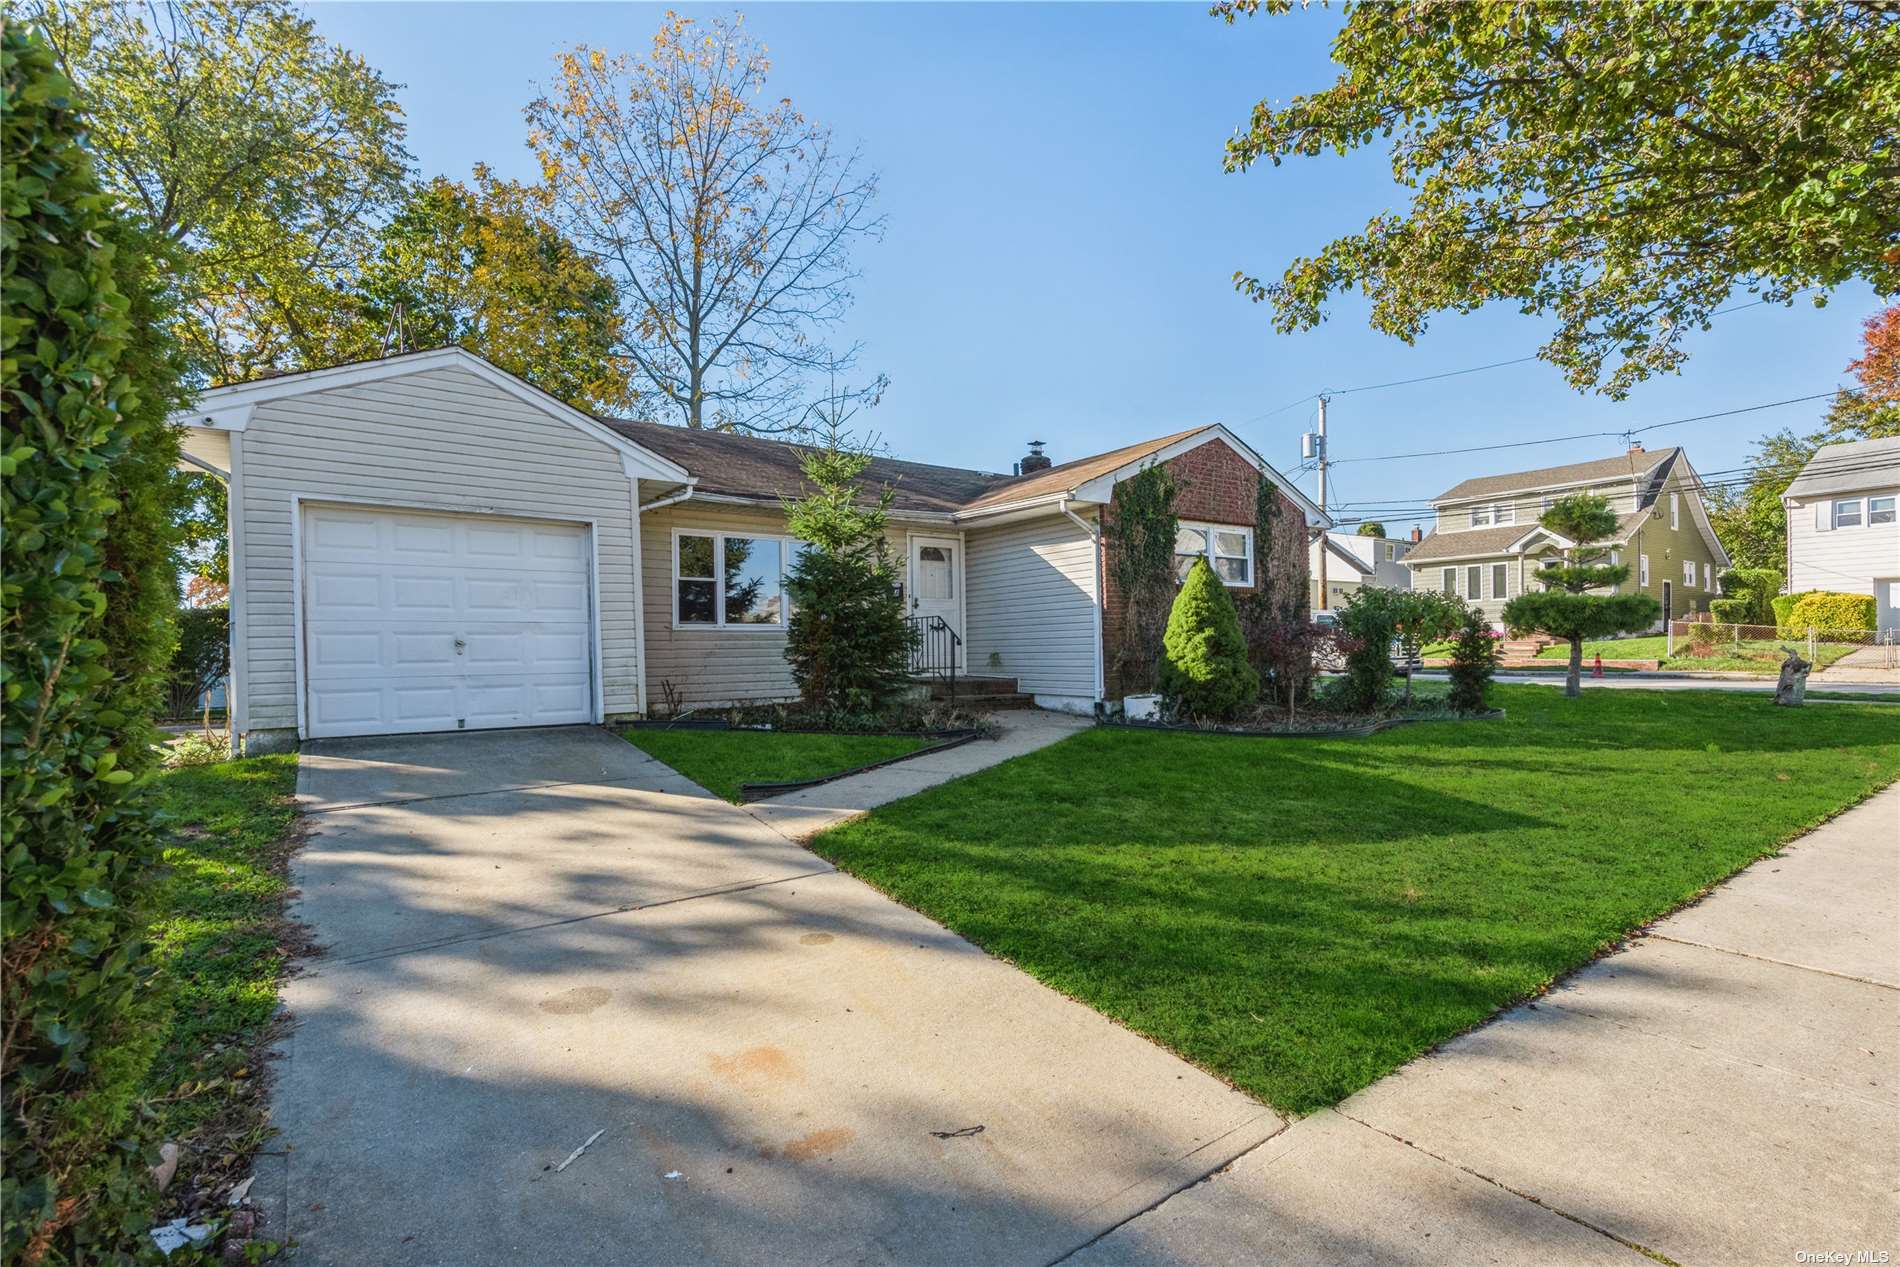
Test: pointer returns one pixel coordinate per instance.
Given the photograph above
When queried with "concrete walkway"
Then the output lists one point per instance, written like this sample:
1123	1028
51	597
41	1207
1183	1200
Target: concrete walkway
1869	666
804	814
1725	1091
542	940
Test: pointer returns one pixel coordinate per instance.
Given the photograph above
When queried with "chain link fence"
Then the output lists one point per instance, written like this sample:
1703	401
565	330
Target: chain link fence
1721	642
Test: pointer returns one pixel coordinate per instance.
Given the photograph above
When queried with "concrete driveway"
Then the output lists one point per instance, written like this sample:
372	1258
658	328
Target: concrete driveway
545	937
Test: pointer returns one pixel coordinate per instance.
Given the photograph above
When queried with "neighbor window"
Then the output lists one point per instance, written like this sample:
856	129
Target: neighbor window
1500	579
1708	576
1480	516
1688	572
1229	550
1675	518
721	579
1474	577
1880	510
1504	513
1847	513
1642	569
1451	580
1392	551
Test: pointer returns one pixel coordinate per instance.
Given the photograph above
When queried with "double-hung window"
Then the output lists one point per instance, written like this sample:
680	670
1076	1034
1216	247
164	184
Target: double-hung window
1451	580
1642	569
1847	513
1500	579
1504	513
1480	516
729	580
1474	582
1227	548
1688	572
1675	516
1880	510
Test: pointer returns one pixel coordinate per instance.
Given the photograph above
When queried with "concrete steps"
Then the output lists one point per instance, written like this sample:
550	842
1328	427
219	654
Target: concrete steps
980	692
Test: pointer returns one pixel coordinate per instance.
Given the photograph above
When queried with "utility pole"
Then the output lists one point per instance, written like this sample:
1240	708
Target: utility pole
1322	503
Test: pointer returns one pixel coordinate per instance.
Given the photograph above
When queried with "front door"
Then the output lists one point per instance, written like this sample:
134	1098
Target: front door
936	581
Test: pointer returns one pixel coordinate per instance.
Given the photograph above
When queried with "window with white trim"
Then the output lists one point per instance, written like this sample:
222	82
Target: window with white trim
1688	571
1675	518
1474	582
1847	513
1495	513
1228	549
1880	510
1708	576
1642	569
1480	516
1451	580
1392	551
730	580
1500	579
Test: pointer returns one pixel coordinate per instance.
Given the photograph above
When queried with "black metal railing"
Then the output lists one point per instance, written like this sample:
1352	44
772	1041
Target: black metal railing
933	648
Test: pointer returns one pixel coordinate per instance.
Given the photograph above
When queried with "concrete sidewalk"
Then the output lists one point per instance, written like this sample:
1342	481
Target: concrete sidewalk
1869	666
1724	1092
803	814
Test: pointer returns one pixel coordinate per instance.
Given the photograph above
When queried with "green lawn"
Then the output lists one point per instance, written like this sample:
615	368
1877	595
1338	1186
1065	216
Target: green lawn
221	947
1301	917
1759	655
721	761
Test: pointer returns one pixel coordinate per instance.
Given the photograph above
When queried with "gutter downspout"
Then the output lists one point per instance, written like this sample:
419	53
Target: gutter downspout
1101	604
639	587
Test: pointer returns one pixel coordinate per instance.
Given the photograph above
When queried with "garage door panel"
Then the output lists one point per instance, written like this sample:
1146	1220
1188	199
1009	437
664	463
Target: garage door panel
389	594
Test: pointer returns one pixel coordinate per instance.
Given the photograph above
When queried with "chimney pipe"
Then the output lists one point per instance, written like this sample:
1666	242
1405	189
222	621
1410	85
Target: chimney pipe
1036	461
1418	534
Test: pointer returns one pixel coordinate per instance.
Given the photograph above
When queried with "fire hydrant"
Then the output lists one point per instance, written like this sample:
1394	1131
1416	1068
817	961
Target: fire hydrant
1597	671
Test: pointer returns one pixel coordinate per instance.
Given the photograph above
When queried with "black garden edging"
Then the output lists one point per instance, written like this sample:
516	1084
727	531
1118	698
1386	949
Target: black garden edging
951	739
1339	732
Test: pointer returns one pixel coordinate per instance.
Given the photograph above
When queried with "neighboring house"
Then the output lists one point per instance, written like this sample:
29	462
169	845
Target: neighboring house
1843	533
424	542
1353	561
1487	544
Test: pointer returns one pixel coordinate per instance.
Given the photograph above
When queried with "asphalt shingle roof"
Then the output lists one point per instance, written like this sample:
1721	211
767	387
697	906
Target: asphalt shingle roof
1479	542
1627	465
1849	468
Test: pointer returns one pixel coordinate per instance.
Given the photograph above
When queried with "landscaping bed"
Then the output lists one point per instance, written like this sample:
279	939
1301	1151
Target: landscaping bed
1317	721
1301	919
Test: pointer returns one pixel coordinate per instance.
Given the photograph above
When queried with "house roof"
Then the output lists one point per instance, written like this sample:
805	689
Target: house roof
1069	476
723	462
1476	543
1848	468
1623	465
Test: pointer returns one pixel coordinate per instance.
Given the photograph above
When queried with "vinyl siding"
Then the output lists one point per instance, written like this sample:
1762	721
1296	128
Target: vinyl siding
438	440
1847	560
1030	601
1430	576
1526	507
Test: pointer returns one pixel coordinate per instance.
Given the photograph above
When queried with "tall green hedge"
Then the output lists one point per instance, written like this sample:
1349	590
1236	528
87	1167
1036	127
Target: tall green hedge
88	589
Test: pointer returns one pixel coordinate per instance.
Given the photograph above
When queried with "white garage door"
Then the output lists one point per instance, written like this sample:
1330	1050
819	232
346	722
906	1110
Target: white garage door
418	622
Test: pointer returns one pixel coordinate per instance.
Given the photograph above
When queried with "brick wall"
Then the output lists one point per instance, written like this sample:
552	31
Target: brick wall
1214	484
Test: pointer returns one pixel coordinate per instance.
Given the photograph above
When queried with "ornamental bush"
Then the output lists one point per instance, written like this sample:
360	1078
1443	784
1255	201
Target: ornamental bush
1735	611
1755	588
85	465
1832	615
1204	671
1783	607
1474	659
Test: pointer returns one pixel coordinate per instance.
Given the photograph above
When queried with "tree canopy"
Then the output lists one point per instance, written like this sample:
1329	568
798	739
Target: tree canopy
726	225
1372	528
1623	166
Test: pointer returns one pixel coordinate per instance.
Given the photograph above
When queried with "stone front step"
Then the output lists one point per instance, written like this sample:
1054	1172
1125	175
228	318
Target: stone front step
970	686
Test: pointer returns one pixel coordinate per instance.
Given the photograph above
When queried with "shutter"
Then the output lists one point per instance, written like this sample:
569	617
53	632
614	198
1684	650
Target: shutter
1823	516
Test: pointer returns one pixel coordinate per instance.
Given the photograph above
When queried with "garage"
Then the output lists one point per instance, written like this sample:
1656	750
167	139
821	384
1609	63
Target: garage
420	621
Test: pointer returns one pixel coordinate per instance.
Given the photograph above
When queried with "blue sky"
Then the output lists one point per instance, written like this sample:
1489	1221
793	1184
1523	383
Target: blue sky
1062	237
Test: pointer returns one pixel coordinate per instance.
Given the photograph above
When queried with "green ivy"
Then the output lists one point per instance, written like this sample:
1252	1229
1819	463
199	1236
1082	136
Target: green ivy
86	468
1144	526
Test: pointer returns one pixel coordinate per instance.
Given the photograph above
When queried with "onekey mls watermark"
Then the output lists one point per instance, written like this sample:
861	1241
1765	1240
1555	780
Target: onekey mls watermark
1845	1257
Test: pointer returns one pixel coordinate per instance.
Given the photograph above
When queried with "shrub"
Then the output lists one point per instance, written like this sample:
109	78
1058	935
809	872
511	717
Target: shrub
848	643
86	464
202	659
1701	638
1783	607
1370	620
1830	614
1756	589
1474	659
1204	671
1734	611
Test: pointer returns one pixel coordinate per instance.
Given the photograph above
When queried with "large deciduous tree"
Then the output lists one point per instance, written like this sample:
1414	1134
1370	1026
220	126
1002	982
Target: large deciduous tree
1622	165
726	223
483	266
236	131
1565	609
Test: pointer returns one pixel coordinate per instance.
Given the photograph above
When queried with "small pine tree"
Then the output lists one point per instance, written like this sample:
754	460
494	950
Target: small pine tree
1565	608
848	643
1204	670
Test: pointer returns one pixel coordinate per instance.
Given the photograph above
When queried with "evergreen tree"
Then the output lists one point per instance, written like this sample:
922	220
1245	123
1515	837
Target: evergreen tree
1204	670
1565	608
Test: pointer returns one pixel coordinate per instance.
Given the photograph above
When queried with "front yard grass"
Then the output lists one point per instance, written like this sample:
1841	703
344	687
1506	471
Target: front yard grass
1303	916
722	761
220	945
1752	655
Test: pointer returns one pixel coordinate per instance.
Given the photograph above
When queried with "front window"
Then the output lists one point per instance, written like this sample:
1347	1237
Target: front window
1880	510
728	579
1474	578
1847	513
1227	549
1451	580
1688	572
1500	579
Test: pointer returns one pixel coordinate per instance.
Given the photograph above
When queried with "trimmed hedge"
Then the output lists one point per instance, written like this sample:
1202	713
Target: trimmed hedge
1829	613
88	591
1783	607
1734	611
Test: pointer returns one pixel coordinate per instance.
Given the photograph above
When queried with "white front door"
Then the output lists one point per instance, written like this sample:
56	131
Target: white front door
1888	618
936	581
416	622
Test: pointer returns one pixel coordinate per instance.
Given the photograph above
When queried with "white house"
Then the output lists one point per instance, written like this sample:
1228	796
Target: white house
1843	531
1353	561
